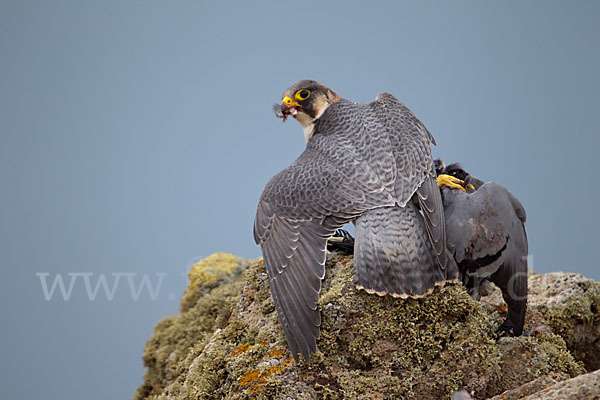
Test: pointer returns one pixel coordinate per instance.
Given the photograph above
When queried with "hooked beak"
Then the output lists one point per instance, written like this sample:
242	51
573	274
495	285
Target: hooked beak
288	107
289	102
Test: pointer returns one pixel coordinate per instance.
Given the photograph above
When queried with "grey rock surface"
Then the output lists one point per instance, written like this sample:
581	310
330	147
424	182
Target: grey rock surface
579	388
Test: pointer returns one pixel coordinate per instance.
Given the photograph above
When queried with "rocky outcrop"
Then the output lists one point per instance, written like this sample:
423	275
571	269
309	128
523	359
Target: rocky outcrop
568	304
227	342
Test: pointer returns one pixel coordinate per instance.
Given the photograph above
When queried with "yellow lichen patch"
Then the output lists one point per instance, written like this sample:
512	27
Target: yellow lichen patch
241	349
276	353
254	379
275	369
207	273
287	362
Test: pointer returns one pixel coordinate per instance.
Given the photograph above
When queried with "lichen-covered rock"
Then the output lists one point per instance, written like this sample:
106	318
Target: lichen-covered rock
213	271
169	351
525	359
577	321
229	344
569	304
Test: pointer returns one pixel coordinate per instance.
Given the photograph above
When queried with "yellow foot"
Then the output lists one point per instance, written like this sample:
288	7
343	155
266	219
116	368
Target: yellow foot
451	182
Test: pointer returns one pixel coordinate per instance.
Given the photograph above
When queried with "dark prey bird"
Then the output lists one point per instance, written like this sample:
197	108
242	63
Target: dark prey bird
486	234
366	163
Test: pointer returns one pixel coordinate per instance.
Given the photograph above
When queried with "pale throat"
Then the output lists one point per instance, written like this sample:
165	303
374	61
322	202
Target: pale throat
308	123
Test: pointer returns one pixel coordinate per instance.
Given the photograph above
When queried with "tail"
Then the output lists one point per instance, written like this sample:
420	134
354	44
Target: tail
393	254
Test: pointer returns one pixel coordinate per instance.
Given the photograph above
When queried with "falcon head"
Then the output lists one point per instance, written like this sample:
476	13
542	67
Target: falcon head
306	101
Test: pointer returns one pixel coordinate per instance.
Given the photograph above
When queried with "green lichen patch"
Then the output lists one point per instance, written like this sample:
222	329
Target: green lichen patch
423	348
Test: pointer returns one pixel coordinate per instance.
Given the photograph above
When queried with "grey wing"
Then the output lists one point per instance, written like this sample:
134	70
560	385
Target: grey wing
411	143
299	209
294	256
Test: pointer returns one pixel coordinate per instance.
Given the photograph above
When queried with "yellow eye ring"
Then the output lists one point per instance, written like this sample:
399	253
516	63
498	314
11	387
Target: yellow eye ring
302	94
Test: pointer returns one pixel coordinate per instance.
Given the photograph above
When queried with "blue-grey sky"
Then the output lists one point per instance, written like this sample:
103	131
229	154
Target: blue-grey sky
136	137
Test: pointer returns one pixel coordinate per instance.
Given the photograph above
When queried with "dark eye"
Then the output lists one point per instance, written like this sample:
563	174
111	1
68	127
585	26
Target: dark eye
302	94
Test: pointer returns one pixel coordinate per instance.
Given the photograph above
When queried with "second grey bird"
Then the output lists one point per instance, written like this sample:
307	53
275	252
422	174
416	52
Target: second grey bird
487	237
366	163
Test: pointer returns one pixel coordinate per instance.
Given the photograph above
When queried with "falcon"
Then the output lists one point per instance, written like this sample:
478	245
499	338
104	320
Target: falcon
486	235
369	164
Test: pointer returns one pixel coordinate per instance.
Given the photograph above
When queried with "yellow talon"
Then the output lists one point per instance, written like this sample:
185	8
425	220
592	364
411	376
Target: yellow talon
469	186
451	182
